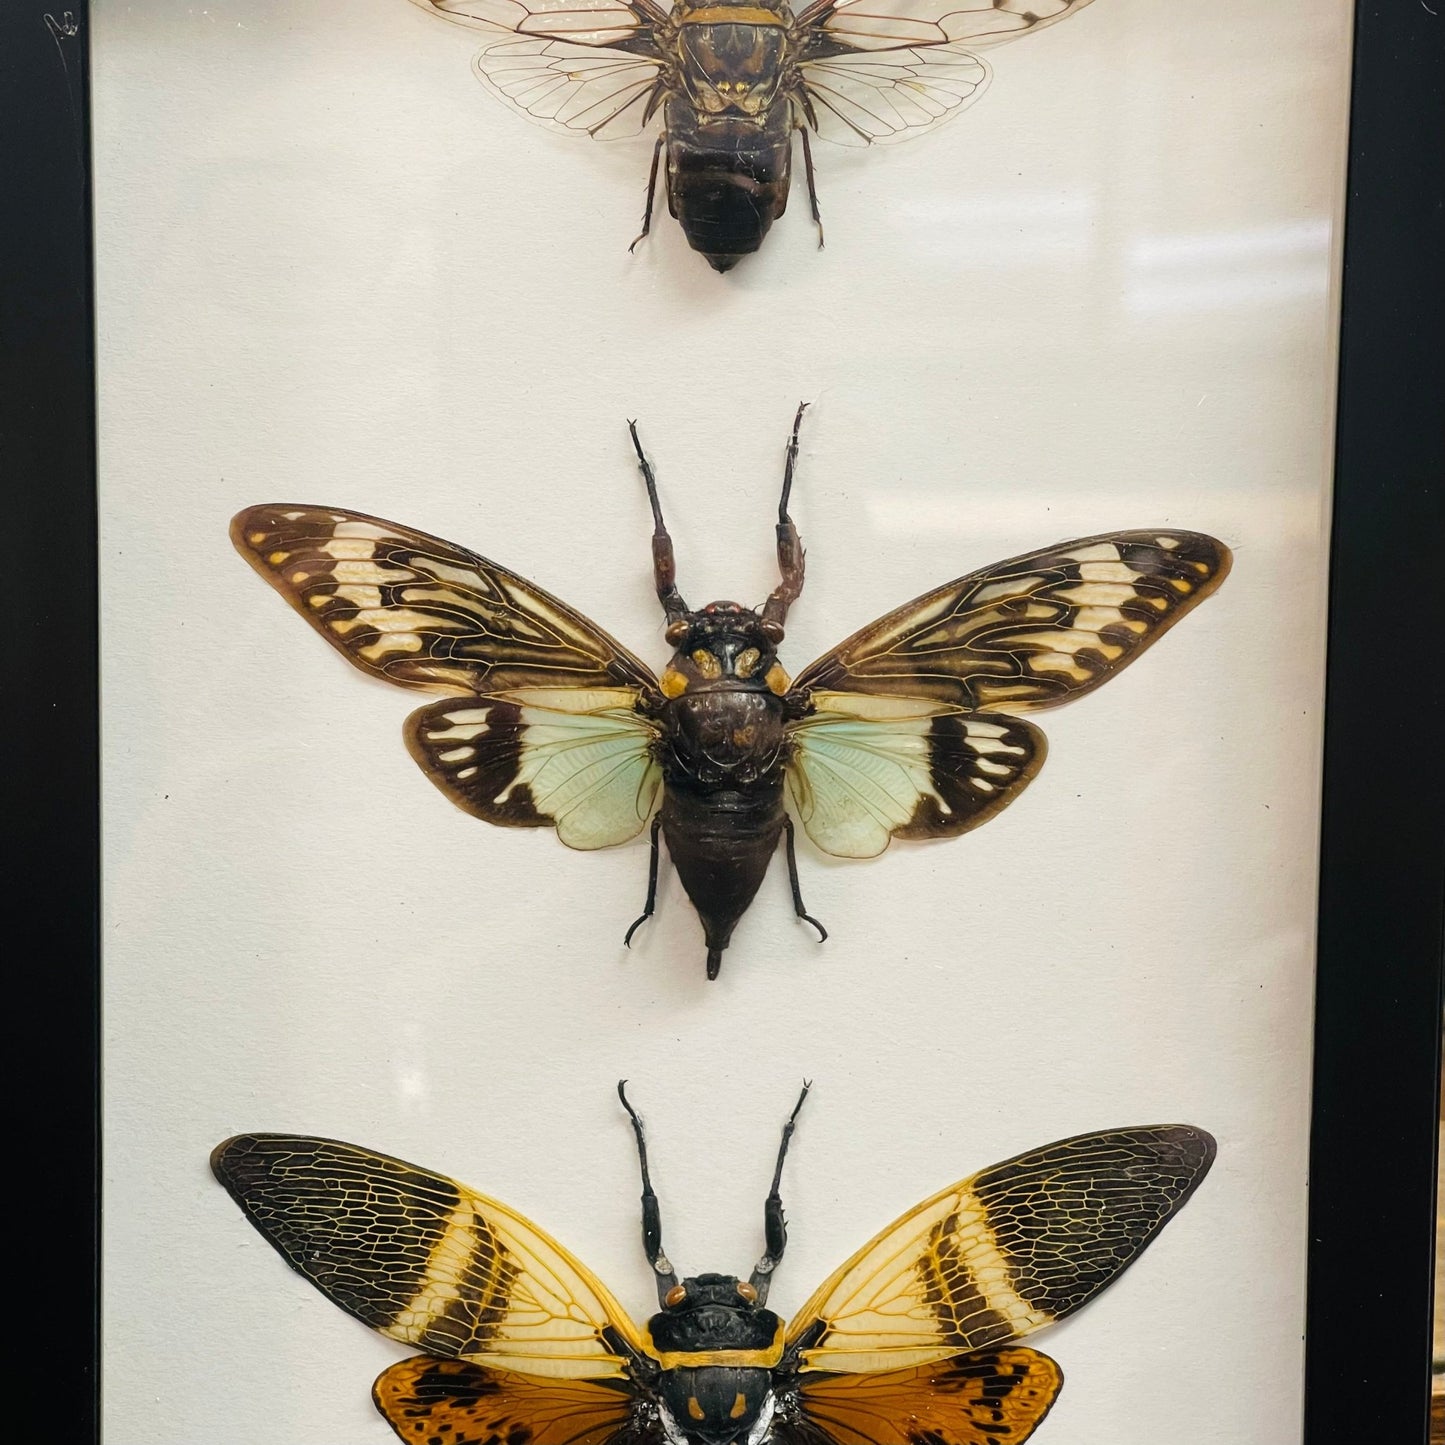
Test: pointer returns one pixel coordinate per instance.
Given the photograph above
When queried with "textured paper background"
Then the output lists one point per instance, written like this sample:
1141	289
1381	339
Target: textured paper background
333	269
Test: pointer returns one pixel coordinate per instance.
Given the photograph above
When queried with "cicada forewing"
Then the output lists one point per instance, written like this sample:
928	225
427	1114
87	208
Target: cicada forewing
552	732
910	1342
910	727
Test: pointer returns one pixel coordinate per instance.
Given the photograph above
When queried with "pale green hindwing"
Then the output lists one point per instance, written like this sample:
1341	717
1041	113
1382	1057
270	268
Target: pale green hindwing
578	760
867	769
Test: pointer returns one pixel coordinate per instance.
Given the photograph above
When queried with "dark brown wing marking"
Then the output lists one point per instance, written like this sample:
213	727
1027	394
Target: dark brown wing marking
457	1403
1003	1253
426	613
424	1260
1033	632
994	1397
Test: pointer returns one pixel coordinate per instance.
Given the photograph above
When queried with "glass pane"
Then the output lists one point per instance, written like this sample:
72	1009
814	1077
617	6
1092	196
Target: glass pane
334	270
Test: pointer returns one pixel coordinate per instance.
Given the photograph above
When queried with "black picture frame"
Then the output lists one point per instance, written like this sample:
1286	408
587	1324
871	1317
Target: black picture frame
51	716
1382	882
1382	848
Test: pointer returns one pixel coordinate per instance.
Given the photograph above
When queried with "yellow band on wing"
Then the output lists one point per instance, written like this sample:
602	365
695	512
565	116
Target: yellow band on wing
457	1255
993	1274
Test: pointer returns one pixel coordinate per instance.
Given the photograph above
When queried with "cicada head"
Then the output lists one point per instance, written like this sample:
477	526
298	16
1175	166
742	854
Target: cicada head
724	645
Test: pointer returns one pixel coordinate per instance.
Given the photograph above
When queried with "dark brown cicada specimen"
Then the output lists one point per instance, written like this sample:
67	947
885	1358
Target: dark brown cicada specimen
730	81
911	728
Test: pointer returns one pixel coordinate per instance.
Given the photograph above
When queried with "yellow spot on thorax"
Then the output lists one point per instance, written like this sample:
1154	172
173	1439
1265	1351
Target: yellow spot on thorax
673	683
732	15
732	1359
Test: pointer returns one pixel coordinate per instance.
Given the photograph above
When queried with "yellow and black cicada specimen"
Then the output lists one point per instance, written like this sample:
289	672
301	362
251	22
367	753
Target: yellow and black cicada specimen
729	82
911	1342
909	729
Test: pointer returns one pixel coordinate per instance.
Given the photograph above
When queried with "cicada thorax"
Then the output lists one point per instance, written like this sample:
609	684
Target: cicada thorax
718	1350
729	126
724	751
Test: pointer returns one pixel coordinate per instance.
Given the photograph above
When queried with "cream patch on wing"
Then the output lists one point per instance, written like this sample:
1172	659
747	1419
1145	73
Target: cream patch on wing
990	1268
466	722
449	1266
880	707
902	1304
1106	583
963	627
988	739
494	1292
367	572
574	699
1010	587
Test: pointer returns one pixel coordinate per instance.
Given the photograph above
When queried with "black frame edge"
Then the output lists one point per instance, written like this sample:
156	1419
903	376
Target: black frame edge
1382	849
51	797
1382	862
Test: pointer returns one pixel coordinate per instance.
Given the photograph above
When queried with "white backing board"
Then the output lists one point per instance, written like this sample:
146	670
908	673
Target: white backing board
333	270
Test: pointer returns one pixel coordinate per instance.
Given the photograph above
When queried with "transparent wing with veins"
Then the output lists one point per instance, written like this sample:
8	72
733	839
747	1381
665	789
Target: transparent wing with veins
580	67
890	24
862	97
886	70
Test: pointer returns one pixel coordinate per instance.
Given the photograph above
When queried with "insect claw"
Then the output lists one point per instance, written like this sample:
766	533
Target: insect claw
822	932
651	904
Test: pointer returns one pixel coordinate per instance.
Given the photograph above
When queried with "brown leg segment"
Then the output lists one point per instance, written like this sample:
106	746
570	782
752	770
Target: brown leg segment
652	192
793	884
664	566
790	546
651	904
812	183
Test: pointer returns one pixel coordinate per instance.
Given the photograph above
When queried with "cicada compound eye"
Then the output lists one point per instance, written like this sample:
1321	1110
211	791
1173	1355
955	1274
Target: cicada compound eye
675	1295
747	1291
